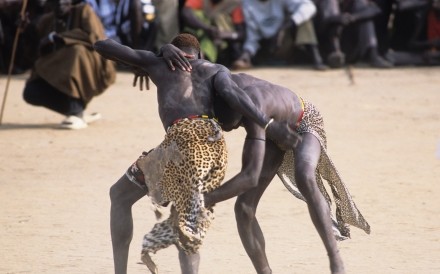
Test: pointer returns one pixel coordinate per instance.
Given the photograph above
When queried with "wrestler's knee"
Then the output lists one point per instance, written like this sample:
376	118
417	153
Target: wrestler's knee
244	212
124	193
306	182
114	194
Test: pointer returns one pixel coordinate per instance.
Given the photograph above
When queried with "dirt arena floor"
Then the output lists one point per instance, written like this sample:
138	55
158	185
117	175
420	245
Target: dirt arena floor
383	134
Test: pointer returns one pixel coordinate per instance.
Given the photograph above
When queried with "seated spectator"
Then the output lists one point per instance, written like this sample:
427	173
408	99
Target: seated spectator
135	24
106	10
359	41
274	21
69	73
414	38
329	22
218	25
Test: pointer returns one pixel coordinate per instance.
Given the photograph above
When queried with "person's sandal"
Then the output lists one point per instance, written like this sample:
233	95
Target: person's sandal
73	122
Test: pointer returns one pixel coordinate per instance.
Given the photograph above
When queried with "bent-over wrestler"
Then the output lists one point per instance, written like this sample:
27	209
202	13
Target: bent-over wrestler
301	170
176	171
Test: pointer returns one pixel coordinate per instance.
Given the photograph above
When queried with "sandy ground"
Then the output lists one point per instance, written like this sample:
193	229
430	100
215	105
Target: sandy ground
383	133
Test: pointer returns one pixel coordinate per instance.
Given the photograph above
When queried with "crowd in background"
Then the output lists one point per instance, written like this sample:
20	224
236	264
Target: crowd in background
241	34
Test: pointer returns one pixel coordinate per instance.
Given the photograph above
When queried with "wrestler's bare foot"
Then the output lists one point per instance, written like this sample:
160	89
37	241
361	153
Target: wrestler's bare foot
146	259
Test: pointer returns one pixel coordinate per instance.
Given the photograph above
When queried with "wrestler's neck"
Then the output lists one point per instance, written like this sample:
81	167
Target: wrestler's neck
192	51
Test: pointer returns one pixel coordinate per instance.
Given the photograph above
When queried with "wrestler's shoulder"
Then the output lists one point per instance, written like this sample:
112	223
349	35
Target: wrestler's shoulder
208	66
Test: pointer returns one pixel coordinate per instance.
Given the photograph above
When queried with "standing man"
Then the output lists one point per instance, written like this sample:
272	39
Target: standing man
193	153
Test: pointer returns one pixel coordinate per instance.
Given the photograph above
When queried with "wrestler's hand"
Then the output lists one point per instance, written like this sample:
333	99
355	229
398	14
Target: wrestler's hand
175	56
283	134
141	81
141	74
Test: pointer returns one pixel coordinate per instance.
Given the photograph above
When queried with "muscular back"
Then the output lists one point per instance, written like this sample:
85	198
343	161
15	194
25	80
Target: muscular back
276	101
180	93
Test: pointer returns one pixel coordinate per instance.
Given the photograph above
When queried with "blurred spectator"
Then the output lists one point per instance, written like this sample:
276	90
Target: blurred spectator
406	31
106	10
329	22
433	28
167	21
275	22
218	25
135	22
9	21
359	41
68	72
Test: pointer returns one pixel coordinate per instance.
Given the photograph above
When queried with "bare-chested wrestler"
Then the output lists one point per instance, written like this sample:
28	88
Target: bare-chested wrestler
302	168
175	171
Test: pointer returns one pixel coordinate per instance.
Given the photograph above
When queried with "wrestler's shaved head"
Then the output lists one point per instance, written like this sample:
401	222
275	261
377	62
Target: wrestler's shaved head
186	40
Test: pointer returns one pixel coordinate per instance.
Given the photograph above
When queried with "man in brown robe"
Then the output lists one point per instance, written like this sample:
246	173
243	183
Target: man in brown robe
68	72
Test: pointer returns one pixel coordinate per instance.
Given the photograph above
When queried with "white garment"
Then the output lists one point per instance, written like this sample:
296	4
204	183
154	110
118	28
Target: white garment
265	18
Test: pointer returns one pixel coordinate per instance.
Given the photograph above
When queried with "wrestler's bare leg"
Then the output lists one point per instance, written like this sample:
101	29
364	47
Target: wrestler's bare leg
307	155
189	263
123	194
249	230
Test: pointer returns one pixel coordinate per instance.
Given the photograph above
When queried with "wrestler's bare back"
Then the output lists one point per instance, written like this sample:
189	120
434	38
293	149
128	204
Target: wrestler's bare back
183	93
279	102
180	93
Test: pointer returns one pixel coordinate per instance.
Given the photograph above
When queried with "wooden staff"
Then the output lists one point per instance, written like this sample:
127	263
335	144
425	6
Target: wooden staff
11	64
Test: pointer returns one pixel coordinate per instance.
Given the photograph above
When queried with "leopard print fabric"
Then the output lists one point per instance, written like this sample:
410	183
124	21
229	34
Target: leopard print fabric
346	210
185	166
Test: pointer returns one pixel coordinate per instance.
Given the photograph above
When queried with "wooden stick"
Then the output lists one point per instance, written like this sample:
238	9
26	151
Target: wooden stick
11	64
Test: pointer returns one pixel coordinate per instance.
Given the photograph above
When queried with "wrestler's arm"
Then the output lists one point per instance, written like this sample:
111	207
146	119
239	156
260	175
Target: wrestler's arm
237	98
252	164
175	56
114	51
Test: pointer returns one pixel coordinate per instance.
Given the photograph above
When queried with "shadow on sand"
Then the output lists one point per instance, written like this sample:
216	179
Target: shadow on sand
13	126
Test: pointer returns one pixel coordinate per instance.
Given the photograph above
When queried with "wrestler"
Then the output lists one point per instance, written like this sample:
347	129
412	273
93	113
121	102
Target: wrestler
302	168
186	109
